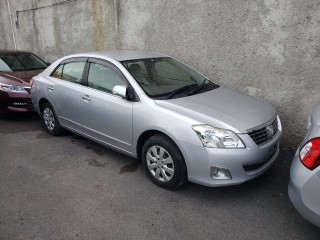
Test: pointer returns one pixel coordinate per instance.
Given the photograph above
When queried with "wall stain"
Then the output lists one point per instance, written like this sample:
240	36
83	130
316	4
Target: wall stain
98	8
94	162
132	167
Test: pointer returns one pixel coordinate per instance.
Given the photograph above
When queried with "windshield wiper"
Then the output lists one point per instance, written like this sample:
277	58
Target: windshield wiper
179	90
198	88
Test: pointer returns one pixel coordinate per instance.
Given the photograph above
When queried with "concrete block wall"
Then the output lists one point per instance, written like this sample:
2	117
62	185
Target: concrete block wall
266	48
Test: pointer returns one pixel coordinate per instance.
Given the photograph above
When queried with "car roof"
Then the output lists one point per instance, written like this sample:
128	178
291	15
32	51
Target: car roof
126	55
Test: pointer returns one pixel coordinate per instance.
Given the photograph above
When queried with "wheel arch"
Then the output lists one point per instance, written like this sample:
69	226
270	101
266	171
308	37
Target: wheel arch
143	138
148	134
41	103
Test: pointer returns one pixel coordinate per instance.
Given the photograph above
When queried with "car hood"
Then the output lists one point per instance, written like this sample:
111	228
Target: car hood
21	78
223	108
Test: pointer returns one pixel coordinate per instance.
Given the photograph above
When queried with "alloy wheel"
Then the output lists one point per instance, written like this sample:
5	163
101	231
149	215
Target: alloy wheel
160	163
48	118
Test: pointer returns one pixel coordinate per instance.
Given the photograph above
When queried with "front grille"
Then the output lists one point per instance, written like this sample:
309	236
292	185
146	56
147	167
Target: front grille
20	102
264	134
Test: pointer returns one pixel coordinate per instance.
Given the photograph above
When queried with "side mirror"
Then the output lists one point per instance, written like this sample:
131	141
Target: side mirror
120	90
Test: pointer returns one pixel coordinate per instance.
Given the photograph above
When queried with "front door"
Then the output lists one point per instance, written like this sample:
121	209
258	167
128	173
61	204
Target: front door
106	117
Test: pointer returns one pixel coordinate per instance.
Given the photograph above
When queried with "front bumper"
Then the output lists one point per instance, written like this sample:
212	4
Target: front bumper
304	191
242	164
15	102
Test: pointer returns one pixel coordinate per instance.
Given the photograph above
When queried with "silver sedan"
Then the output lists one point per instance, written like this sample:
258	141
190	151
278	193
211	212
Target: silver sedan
304	182
153	107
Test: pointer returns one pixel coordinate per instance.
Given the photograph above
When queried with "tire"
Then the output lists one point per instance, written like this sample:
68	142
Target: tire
50	120
163	162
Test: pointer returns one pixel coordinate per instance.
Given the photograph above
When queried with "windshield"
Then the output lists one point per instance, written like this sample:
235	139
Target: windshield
20	62
167	77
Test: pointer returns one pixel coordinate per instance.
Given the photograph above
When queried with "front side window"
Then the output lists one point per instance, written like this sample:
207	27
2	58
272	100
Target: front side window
103	78
73	71
20	62
165	77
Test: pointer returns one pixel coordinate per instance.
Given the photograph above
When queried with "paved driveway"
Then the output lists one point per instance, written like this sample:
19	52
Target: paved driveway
70	188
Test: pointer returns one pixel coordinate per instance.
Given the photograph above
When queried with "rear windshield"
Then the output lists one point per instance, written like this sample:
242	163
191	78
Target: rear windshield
20	62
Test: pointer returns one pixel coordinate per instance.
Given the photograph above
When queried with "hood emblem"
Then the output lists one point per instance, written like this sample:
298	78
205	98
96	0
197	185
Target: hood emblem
270	131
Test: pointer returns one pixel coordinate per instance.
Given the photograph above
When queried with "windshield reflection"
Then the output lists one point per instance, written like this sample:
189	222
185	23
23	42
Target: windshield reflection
166	77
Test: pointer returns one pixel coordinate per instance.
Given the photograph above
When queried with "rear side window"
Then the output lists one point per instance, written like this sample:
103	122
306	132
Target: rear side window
103	78
58	72
71	72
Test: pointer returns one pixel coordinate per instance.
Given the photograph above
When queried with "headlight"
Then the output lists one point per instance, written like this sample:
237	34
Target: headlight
217	138
12	88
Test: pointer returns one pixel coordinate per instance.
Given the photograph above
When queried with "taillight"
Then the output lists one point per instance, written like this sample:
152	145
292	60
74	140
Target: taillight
310	154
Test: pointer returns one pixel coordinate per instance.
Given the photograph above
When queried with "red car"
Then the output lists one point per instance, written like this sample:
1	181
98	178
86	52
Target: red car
16	70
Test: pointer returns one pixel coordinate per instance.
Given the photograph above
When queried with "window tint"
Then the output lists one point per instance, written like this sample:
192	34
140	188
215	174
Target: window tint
58	72
4	67
169	71
12	62
166	77
22	61
103	78
30	61
139	71
143	69
72	72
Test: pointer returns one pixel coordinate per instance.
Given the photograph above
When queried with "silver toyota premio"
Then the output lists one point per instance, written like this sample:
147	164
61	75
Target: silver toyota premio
304	182
150	106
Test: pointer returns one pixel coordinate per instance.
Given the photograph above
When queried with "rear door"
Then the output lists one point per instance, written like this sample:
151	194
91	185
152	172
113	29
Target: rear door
106	117
66	91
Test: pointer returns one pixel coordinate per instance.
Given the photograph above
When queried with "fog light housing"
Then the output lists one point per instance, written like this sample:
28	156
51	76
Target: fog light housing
218	173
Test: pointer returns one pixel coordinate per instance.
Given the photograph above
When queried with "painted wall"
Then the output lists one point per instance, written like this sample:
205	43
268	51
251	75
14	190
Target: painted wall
266	48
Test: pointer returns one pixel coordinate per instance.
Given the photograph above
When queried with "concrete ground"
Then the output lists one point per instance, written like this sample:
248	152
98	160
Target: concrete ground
70	188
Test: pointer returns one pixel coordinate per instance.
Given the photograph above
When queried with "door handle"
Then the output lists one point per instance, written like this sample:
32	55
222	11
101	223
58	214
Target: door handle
86	98
50	88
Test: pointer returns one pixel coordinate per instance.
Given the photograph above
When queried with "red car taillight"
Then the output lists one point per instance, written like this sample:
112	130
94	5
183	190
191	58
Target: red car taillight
310	154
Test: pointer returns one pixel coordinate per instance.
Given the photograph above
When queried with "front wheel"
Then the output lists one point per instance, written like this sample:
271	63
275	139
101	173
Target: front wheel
50	120
164	162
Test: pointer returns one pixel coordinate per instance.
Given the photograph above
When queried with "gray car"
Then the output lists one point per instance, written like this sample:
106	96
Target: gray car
304	182
155	108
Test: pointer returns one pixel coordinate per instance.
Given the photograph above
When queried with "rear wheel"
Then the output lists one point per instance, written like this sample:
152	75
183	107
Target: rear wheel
50	120
164	162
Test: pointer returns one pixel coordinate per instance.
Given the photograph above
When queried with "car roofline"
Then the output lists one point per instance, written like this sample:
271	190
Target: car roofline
118	55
